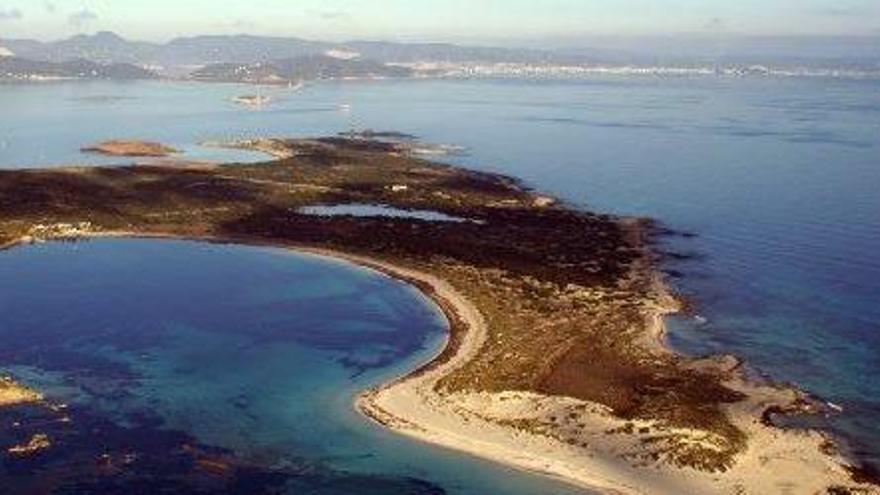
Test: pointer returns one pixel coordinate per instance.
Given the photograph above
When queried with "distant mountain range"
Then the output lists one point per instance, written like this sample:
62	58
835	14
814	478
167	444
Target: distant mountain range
246	57
184	54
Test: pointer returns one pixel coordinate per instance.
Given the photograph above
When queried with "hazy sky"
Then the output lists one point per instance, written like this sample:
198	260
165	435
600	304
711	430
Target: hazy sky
453	20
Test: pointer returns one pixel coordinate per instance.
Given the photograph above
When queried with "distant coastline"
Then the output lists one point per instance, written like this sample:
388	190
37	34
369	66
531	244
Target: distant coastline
284	61
505	71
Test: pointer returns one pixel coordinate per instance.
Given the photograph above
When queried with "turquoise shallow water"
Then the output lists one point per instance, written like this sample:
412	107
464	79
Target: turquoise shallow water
256	351
777	177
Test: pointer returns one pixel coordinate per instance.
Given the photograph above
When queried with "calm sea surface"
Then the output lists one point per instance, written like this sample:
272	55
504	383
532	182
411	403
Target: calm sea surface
778	178
257	351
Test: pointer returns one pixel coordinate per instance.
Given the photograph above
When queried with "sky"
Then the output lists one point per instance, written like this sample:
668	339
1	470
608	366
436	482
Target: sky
437	20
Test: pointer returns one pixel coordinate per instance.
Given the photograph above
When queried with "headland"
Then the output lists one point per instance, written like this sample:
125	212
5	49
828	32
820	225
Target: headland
554	362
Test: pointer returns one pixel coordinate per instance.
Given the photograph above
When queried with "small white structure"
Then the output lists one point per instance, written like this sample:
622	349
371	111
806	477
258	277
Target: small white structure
342	54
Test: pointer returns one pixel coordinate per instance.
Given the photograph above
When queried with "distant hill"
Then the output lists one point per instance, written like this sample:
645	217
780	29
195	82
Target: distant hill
305	68
186	53
181	56
446	52
16	68
103	47
204	50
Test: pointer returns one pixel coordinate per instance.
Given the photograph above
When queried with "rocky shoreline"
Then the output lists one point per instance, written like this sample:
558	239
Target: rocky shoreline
131	148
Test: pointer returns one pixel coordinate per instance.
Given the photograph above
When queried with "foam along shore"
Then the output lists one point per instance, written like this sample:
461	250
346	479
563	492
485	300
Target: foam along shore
554	362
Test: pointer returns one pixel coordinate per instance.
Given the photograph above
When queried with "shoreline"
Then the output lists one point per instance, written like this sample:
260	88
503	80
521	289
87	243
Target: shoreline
410	406
556	360
453	306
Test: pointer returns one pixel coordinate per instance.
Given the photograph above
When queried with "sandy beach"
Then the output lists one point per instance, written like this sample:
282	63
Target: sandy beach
777	461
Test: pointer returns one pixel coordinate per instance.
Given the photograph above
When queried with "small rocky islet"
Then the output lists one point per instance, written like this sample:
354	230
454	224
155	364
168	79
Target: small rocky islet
131	148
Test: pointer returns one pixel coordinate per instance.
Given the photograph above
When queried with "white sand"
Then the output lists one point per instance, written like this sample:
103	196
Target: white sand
776	461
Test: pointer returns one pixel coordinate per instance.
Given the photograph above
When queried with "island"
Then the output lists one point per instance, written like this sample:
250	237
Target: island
555	360
13	393
131	148
252	101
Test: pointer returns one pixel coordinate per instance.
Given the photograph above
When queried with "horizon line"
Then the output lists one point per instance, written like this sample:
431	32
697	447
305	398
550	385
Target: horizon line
483	42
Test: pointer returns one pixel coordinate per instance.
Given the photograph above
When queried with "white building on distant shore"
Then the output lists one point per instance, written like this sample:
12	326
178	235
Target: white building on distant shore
342	54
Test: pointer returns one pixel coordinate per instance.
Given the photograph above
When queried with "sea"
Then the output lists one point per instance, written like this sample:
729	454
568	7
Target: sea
769	188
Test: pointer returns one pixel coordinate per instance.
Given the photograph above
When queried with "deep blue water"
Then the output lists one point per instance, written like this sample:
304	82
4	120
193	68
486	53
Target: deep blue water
254	350
777	177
